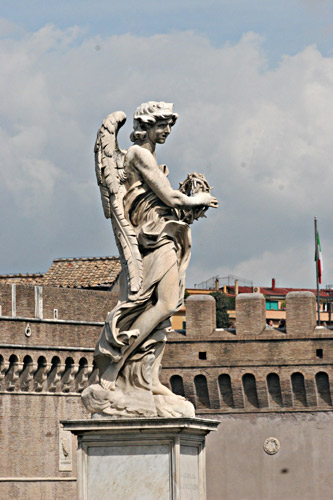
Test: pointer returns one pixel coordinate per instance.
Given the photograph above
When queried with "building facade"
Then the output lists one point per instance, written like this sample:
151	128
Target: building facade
260	383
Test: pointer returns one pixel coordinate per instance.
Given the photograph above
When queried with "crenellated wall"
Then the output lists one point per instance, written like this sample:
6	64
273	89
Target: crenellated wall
255	368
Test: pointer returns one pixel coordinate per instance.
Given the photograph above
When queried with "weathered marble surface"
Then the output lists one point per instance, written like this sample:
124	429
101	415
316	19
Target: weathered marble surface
136	459
189	473
150	221
121	472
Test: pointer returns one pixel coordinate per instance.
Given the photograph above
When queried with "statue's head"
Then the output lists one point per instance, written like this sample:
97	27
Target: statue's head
150	115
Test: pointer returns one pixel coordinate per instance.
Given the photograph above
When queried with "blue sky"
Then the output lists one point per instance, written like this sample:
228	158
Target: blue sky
252	82
287	25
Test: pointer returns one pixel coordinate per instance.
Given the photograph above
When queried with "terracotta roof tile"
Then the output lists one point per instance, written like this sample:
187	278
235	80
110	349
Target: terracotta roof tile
83	272
28	278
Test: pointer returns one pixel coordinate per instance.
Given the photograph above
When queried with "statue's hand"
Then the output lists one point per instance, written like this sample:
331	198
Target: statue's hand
205	199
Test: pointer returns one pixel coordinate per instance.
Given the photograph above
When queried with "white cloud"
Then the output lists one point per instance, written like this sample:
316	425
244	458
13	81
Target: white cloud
261	136
263	267
9	28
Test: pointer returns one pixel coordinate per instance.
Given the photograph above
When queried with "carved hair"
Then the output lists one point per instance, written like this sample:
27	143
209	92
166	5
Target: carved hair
147	114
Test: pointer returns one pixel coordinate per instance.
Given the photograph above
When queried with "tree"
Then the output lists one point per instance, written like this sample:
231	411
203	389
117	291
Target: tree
223	304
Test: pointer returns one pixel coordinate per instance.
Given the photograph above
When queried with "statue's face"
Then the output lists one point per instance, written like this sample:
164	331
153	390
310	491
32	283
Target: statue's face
159	132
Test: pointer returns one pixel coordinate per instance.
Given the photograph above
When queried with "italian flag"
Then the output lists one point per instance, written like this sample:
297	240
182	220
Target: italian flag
319	258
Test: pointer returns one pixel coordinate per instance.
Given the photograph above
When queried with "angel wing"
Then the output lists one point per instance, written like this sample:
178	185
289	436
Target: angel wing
110	173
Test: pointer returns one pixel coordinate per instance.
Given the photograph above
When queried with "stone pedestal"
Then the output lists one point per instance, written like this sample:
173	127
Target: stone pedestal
141	459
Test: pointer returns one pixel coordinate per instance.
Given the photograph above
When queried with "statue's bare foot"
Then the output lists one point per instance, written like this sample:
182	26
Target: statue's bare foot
109	376
159	389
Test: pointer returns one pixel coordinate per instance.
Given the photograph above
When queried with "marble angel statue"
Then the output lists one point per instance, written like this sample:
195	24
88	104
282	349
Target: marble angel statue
150	221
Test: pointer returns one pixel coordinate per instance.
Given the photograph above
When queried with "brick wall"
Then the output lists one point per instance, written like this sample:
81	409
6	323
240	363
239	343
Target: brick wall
87	305
30	446
73	304
6	299
25	300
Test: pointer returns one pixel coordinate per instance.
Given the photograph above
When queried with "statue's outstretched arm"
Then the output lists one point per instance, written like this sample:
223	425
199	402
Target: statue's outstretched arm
145	163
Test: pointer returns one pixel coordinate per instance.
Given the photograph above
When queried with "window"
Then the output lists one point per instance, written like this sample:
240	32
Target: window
319	353
272	305
177	385
250	390
202	355
323	389
201	390
274	390
298	387
226	390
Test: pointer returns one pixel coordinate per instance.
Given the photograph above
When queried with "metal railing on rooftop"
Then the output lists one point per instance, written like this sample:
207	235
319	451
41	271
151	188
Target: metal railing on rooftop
219	281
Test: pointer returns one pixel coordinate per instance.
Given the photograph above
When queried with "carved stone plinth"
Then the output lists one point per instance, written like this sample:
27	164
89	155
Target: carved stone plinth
150	459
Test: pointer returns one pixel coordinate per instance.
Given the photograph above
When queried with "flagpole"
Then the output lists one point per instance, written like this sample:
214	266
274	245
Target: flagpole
317	277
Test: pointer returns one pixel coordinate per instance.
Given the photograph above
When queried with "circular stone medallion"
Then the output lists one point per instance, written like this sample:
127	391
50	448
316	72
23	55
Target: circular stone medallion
271	445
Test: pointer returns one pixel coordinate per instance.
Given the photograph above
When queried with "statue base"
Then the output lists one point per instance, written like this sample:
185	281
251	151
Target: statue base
141	458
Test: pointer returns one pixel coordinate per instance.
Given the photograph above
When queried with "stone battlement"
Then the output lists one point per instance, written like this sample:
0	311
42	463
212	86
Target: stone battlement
251	316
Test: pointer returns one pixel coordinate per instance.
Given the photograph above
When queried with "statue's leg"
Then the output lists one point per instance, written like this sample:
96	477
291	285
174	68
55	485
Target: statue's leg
167	292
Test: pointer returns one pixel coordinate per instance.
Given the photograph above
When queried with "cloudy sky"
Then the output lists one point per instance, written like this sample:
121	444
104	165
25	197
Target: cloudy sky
252	81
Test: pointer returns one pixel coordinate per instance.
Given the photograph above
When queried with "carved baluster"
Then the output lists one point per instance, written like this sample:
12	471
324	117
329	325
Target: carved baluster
13	373
43	369
83	375
55	374
67	380
27	375
4	365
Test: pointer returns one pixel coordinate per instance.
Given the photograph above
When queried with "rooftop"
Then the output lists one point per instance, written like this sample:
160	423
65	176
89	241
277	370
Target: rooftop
28	278
77	272
276	292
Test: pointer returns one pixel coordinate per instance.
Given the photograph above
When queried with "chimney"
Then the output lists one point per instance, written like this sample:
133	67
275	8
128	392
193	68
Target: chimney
236	287
225	289
273	283
217	284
